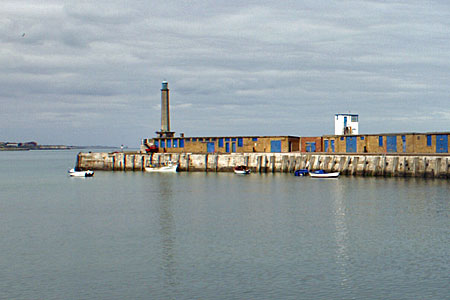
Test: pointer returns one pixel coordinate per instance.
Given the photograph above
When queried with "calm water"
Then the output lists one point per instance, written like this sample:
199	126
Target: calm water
217	236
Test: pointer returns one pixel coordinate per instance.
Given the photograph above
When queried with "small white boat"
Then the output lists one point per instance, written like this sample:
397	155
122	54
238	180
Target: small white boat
168	167
79	173
242	170
323	174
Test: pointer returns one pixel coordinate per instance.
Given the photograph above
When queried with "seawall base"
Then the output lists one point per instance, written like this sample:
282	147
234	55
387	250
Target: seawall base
395	165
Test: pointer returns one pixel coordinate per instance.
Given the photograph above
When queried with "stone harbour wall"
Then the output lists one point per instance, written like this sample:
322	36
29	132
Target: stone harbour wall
433	166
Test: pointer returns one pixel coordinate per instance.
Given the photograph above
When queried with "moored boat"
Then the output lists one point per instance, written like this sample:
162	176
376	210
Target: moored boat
168	167
301	172
241	170
323	174
79	173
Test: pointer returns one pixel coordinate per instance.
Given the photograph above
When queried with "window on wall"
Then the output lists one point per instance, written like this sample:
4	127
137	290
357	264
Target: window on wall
342	138
254	139
380	141
240	142
163	144
194	140
200	140
169	143
362	138
181	143
227	139
175	143
429	140
233	139
354	118
220	142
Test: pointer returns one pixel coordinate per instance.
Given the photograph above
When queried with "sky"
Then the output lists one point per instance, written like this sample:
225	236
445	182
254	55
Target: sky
90	72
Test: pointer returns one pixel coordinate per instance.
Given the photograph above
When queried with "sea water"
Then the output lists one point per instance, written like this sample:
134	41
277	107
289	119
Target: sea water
134	235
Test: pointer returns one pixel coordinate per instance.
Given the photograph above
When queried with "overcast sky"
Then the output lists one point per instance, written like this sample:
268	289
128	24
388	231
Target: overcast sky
90	72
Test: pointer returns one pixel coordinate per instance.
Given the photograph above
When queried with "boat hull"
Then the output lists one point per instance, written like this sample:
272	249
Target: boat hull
242	172
324	175
162	169
88	173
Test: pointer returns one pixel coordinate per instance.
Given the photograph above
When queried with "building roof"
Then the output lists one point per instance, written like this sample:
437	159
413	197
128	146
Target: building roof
349	114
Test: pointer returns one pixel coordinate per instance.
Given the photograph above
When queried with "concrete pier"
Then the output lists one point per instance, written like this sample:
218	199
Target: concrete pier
432	166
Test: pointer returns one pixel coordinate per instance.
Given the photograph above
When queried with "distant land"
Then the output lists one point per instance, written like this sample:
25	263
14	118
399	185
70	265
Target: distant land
24	146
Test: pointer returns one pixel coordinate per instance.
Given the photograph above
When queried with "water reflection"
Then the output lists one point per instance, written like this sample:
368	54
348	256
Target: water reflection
341	231
167	230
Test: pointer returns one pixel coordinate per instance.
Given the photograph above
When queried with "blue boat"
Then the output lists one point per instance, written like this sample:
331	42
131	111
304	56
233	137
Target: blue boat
301	172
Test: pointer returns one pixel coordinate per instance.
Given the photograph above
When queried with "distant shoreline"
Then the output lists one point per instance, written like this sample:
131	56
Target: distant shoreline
52	147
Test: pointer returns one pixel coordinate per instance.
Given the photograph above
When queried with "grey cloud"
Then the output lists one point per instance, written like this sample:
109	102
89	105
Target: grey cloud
260	67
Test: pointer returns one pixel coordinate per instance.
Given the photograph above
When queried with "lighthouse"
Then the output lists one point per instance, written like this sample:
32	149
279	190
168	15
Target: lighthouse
165	112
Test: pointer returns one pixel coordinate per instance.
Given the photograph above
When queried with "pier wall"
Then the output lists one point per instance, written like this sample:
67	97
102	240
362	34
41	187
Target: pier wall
433	166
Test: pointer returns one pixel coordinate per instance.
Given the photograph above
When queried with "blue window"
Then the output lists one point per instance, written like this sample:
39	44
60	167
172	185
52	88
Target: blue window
175	143
156	143
429	140
380	141
187	140
213	139
404	143
194	139
181	143
163	144
254	139
200	140
233	139
227	139
310	147
169	143
342	138
362	138
220	142
206	140
240	142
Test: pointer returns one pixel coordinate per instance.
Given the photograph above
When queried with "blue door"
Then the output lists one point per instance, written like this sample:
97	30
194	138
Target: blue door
325	145
391	143
233	146
210	147
227	147
350	144
441	143
332	145
275	146
404	143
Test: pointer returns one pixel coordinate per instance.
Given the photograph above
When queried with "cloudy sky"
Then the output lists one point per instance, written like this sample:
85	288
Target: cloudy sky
90	72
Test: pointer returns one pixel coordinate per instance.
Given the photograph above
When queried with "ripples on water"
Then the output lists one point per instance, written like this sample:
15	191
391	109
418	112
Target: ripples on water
217	236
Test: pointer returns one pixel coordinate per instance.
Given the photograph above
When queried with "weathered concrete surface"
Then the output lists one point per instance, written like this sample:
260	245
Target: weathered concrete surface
435	166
